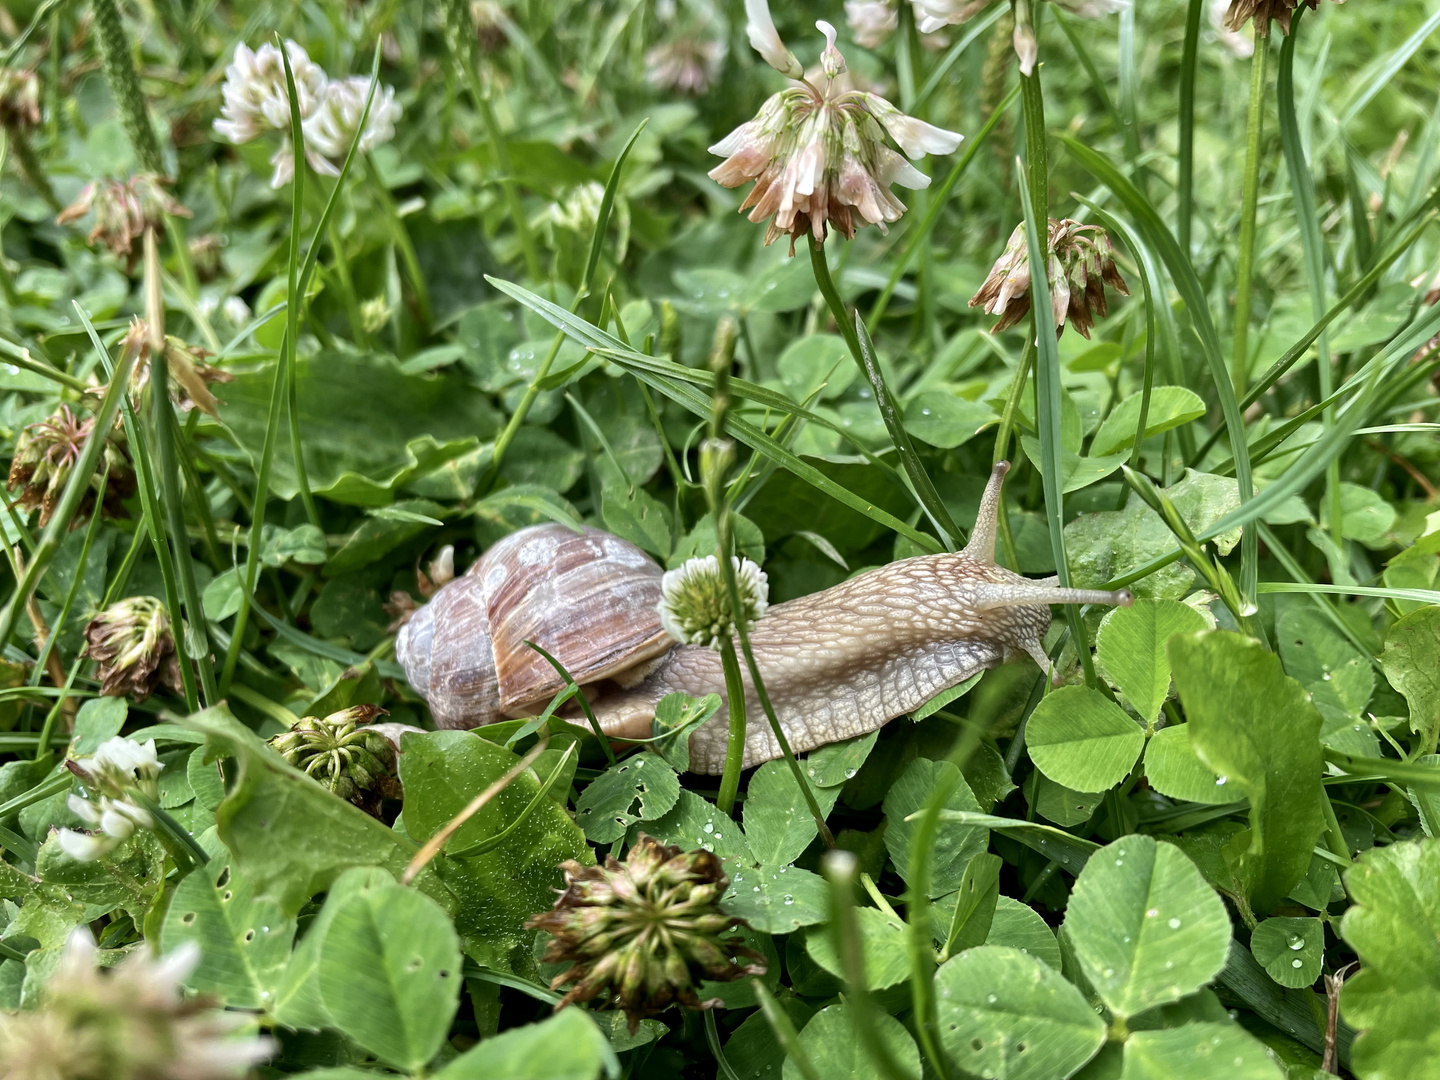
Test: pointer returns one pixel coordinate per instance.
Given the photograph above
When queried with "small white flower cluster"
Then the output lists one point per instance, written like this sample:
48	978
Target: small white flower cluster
116	771
695	604
818	156
132	1019
257	101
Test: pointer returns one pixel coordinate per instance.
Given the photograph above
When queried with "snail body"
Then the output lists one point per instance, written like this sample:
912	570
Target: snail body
836	664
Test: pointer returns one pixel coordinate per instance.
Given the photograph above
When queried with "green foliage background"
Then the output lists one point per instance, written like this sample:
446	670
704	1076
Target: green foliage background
1163	868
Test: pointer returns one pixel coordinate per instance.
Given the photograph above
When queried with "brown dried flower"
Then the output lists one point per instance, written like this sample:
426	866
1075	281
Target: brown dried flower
642	934
1262	11
45	455
1082	263
135	648
124	210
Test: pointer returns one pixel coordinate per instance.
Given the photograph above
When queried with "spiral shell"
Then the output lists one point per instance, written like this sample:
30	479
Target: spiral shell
588	599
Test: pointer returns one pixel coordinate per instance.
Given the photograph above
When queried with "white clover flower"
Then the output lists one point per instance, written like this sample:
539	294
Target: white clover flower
687	64
330	129
132	1020
236	310
256	98
871	22
819	157
112	822
695	604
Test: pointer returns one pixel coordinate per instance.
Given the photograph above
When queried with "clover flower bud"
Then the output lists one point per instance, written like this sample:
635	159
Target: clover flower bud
642	934
375	314
131	1021
124	209
819	156
331	128
45	455
695	604
871	22
353	760
685	64
135	648
19	99
1082	263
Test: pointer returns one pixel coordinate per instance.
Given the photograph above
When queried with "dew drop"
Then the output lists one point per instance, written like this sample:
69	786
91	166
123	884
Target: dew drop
1174	924
1297	962
991	998
1109	973
1296	942
1149	914
1221	781
850	773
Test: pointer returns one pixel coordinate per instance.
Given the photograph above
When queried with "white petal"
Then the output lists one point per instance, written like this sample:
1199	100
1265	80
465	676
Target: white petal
84	809
82	847
765	39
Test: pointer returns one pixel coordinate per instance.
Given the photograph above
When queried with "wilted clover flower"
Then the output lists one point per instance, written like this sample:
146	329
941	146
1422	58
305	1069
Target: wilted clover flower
488	19
257	100
819	156
695	604
1082	263
330	129
113	774
19	99
135	648
128	1022
931	15
124	210
871	22
353	760
641	935
1239	44
685	64
45	455
1262	11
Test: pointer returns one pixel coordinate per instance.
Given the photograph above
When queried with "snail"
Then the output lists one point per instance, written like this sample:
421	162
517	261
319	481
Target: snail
837	663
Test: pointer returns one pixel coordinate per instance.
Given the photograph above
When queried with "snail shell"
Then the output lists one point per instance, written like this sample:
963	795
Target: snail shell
588	599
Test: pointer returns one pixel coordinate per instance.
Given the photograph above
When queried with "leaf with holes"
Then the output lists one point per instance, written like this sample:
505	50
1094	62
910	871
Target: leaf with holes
1002	1012
390	973
244	940
1145	927
640	788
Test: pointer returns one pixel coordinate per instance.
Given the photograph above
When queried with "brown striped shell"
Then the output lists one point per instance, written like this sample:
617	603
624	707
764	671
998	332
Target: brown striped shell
588	599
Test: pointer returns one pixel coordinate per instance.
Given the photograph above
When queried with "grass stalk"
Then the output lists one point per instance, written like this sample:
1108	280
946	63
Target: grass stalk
852	328
1249	207
841	870
1189	60
168	471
